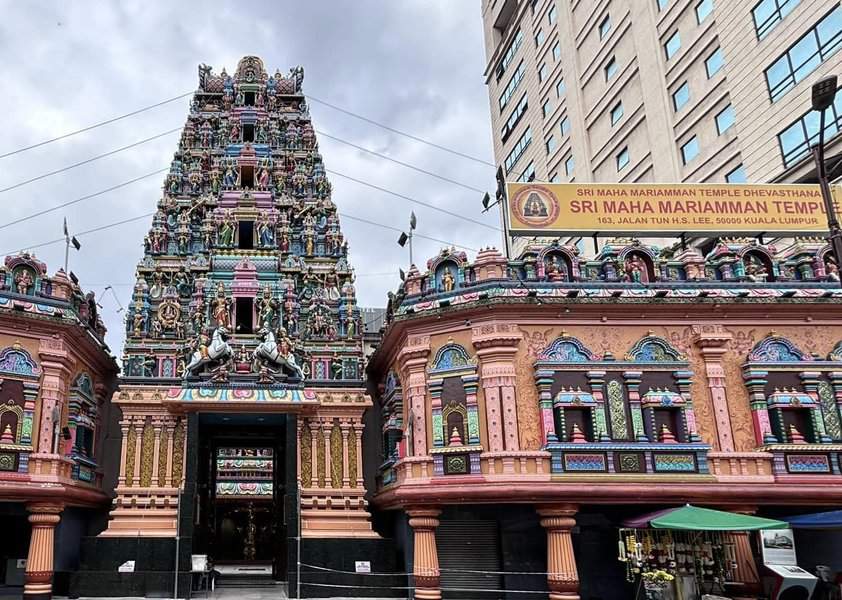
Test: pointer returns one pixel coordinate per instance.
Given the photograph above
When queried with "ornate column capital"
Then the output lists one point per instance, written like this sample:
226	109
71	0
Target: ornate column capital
711	338
557	516
44	508
423	517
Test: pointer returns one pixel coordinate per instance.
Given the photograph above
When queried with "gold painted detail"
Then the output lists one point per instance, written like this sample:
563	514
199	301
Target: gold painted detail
320	456
162	457
352	459
306	455
336	455
131	445
178	454
147	455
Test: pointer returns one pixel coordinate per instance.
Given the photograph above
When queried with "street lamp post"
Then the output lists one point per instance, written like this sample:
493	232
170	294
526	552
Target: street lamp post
824	93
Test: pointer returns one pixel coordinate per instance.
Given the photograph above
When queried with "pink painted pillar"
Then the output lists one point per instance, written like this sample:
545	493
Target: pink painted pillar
498	379
412	362
713	342
57	366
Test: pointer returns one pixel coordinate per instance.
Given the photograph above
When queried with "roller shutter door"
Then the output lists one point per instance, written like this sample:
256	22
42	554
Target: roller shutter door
469	546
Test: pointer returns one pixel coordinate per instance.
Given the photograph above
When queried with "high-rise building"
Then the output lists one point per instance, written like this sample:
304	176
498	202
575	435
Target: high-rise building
660	90
242	393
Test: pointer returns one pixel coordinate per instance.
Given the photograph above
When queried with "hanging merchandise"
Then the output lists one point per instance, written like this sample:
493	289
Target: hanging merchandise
656	557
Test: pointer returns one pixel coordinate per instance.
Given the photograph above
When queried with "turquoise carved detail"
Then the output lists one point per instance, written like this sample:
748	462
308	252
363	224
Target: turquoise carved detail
830	411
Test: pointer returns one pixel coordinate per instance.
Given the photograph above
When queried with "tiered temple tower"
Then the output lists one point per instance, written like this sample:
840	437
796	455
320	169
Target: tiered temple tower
244	304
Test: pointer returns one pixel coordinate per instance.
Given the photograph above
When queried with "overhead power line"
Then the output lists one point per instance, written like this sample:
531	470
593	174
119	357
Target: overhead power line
86	161
403	164
413	200
95	125
149	214
403	133
99	193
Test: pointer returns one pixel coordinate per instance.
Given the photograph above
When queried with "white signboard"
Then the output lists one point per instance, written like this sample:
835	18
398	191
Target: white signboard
126	567
362	566
778	546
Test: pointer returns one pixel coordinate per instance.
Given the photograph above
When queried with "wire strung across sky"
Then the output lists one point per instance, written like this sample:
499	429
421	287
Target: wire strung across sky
95	125
75	201
399	132
149	214
86	161
403	164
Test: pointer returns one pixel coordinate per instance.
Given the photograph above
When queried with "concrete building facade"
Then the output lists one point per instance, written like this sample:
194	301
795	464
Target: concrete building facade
660	90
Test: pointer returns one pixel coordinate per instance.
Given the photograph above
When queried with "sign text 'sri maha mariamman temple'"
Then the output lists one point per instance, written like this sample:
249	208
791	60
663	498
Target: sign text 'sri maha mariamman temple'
515	414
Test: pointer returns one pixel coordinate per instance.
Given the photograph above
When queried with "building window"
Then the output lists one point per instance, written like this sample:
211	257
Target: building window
703	10
805	55
796	140
681	96
769	13
736	175
551	145
556	51
547	108
509	56
616	113
610	68
528	173
245	235
690	150
539	37
515	117
244	312
559	88
604	26
542	72
569	165
554	177
662	4
673	45
520	147
565	126
622	159
714	62
507	94
552	16
725	119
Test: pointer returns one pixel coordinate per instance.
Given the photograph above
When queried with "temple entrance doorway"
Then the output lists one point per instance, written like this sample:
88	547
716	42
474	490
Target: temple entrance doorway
239	519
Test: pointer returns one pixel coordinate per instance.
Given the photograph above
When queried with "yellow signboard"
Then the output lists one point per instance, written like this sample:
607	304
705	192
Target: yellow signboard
586	209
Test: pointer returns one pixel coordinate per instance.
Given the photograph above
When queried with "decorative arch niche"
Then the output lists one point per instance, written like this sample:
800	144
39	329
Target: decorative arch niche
82	422
796	401
452	381
19	377
603	415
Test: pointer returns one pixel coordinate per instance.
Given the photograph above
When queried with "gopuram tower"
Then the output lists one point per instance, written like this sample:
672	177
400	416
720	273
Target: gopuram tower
242	393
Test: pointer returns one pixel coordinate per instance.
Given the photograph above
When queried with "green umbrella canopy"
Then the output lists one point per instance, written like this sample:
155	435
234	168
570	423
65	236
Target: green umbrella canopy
704	519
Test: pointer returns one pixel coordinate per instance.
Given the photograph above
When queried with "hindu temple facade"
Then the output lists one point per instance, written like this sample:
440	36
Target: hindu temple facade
530	405
56	380
242	393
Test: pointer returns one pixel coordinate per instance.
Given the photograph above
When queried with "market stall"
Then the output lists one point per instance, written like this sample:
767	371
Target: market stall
818	537
682	553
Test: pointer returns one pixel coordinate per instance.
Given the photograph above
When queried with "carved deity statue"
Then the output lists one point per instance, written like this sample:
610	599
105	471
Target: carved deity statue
23	281
221	307
447	281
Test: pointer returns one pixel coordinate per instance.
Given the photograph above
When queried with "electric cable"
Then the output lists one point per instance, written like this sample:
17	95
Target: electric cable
95	125
399	132
149	214
93	195
403	164
413	200
86	161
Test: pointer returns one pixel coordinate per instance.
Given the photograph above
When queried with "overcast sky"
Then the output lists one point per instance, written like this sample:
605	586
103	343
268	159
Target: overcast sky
416	66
